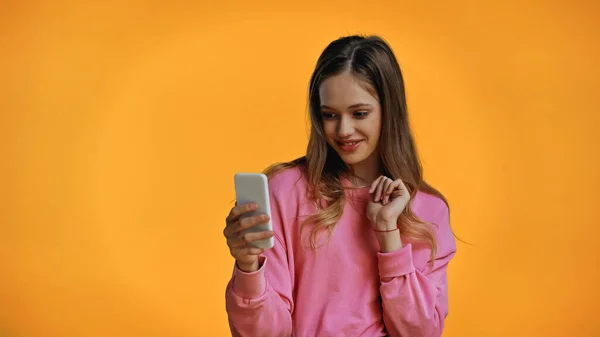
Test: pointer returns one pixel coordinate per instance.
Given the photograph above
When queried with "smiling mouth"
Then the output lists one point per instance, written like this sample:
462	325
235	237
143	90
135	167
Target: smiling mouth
349	146
349	143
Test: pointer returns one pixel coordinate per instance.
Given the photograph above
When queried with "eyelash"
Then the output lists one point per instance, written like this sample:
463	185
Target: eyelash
362	114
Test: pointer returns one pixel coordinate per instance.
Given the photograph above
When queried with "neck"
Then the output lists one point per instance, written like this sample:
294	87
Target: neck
366	171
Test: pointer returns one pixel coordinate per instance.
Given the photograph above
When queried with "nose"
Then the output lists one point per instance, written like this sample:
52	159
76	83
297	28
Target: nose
345	127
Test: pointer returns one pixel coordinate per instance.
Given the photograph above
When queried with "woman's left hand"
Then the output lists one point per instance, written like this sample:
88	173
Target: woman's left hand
388	200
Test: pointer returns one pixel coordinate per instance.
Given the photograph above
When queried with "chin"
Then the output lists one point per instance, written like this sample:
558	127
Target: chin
351	159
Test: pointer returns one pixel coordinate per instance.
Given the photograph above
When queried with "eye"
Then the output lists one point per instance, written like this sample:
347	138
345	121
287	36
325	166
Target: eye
361	114
328	115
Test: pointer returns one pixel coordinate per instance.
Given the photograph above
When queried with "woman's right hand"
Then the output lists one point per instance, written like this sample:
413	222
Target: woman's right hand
245	255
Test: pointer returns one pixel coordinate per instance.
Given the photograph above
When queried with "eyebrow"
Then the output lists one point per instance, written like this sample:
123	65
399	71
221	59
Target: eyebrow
357	105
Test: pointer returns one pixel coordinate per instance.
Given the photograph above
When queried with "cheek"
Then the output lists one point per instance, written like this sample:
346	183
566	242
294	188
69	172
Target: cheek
375	128
372	130
329	129
376	131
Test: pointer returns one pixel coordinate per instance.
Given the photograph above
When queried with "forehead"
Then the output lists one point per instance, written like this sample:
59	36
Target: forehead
343	90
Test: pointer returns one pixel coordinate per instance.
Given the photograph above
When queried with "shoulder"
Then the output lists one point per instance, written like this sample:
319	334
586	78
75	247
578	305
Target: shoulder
429	207
432	209
287	190
288	179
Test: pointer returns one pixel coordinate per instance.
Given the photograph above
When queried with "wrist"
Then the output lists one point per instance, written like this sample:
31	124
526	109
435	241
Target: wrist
248	267
389	240
385	226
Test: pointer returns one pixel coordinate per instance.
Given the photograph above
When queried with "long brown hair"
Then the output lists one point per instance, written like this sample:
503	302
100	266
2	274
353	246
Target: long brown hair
371	60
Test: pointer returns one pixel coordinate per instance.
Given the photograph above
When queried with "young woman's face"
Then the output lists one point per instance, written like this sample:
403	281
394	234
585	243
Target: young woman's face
351	118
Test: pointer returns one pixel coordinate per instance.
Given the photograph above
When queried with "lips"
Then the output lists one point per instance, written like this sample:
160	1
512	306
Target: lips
349	145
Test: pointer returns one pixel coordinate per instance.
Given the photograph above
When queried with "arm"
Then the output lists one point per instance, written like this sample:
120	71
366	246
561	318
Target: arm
260	303
415	303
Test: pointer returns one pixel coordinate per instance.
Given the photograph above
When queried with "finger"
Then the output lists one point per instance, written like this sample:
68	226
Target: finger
239	210
392	186
400	185
396	193
378	192
252	221
245	223
245	251
397	185
385	191
404	189
375	183
242	240
400	191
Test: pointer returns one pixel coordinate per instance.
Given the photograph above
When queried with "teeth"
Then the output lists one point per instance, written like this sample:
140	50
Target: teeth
349	144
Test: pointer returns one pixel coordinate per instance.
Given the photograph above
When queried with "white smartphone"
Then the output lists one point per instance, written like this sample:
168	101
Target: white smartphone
254	187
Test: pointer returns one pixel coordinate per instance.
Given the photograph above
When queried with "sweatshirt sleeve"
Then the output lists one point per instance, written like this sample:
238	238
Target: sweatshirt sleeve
415	303
260	303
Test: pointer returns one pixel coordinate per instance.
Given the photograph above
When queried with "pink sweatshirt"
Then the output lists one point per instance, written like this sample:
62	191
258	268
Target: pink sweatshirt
347	287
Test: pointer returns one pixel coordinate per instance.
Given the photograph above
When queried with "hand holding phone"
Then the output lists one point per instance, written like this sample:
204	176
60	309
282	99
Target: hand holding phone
249	230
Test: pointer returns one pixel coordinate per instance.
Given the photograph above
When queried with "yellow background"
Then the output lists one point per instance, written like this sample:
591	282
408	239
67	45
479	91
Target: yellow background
122	125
